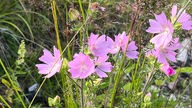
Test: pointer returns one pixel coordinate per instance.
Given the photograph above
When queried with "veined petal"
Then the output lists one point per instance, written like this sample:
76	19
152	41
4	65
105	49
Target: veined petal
132	54
187	25
47	57
161	18
43	68
100	73
155	27
161	58
171	56
56	52
132	46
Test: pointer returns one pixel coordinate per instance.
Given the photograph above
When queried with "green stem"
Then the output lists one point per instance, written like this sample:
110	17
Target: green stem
117	78
3	100
149	77
53	7
9	77
81	8
82	96
37	93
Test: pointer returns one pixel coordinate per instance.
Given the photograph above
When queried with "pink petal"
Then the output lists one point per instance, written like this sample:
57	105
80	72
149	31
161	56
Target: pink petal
56	52
184	17
43	68
74	73
132	54
132	46
174	11
47	57
106	67
161	58
100	73
171	56
155	27
161	18
187	25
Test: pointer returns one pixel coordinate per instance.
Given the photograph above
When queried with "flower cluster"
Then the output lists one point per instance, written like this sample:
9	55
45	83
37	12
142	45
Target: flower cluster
164	43
84	65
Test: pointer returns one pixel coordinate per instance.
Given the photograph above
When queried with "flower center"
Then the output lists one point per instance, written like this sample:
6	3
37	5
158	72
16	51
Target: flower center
83	68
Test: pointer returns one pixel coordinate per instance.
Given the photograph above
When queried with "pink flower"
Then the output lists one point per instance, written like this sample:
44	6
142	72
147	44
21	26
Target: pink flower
99	46
52	63
163	27
81	66
121	42
131	50
184	18
168	70
167	52
102	66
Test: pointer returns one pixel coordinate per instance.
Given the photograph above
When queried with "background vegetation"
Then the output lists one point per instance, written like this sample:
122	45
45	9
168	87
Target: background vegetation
28	26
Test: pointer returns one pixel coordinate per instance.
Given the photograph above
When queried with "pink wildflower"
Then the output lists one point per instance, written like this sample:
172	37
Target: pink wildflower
183	18
168	70
102	66
121	42
99	46
52	63
81	66
167	52
163	27
131	50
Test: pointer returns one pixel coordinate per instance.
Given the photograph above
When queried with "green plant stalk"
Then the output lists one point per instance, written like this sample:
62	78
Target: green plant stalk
149	77
36	93
136	68
69	101
117	78
81	8
67	28
120	72
83	15
53	7
9	77
173	86
3	100
82	96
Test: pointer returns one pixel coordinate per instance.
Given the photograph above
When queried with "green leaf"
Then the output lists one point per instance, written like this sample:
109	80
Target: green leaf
127	87
6	83
50	102
184	69
54	102
159	82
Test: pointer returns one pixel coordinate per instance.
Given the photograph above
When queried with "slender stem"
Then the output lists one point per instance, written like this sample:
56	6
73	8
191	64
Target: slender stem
82	97
37	93
12	83
53	7
173	87
149	78
3	100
